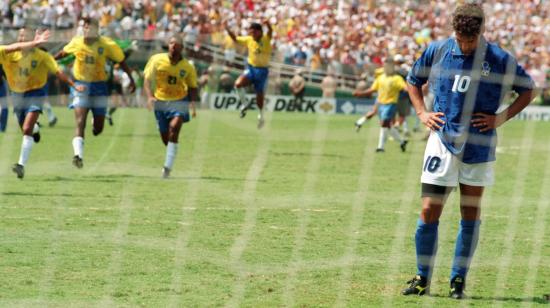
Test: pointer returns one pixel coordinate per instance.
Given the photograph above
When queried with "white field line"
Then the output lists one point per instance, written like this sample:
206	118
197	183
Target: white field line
515	204
189	200
113	140
357	209
312	172
538	232
51	253
251	213
126	204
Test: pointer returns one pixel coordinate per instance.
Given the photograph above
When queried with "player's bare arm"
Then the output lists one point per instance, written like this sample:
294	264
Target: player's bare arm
364	93
229	32
60	55
487	122
149	93
128	71
432	120
269	28
61	76
193	95
39	38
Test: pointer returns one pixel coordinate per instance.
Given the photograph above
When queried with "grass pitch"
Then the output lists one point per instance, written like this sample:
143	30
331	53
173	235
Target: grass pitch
302	213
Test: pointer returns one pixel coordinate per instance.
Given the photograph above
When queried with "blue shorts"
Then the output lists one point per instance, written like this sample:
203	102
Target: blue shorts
95	97
165	111
30	101
386	112
257	76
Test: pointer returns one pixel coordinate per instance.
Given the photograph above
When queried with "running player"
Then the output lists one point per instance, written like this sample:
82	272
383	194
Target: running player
91	51
256	73
388	85
27	69
469	77
174	81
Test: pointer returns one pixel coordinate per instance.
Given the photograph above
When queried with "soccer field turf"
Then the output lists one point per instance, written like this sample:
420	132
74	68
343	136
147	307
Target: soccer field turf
303	213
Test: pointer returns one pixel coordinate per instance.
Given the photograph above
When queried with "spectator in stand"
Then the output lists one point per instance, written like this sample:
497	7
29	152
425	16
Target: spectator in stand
297	86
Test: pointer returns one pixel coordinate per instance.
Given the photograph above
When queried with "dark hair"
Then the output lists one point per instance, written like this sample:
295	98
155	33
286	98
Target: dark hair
90	21
256	26
468	19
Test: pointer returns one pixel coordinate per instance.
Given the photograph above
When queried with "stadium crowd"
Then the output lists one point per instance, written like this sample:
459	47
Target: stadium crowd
351	36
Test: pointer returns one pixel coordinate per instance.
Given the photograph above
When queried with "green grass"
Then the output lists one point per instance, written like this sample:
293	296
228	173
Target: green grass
303	213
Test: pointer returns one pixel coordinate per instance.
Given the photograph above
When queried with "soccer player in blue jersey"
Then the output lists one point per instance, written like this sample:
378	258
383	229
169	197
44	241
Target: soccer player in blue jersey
468	77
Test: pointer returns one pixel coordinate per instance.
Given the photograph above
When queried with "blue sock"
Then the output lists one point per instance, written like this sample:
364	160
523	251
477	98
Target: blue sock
3	119
466	243
426	247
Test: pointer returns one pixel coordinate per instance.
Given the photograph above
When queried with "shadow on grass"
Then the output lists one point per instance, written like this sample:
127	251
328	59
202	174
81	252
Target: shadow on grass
537	300
110	178
219	179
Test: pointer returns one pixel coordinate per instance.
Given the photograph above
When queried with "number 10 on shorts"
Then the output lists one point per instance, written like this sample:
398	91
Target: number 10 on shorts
432	164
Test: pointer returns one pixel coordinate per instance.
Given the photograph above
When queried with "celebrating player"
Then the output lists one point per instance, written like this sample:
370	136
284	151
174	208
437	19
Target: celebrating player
256	73
388	85
91	51
27	69
175	90
468	76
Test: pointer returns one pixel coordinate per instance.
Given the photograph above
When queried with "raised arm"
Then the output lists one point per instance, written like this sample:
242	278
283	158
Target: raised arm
229	32
269	29
39	38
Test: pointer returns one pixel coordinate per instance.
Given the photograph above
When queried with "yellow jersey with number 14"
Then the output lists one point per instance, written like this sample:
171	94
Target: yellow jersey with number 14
89	65
171	81
26	71
259	52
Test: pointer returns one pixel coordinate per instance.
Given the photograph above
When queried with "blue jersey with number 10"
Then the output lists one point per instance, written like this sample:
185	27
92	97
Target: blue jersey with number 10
466	84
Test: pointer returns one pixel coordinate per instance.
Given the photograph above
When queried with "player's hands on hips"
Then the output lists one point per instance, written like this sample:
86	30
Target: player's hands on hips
432	120
485	121
150	103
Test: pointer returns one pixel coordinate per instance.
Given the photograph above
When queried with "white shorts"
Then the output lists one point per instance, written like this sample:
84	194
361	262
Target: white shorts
442	168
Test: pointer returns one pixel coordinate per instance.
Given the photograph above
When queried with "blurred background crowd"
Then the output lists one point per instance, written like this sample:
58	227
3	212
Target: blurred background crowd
338	36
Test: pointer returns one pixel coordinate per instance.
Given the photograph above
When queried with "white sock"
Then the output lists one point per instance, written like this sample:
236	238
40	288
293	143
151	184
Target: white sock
78	146
49	111
395	134
35	128
261	114
242	97
383	137
26	148
171	151
405	127
361	120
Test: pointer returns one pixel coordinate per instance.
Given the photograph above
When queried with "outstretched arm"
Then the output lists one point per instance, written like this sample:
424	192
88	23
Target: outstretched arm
61	76
39	38
365	93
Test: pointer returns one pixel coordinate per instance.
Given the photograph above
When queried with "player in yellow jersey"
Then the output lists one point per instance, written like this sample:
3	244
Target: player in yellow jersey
91	52
27	68
388	86
256	72
171	88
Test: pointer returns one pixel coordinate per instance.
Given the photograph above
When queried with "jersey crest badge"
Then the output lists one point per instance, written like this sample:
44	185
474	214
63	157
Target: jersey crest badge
100	50
34	63
485	68
182	73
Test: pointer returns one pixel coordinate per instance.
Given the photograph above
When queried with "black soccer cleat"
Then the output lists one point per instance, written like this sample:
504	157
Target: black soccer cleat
77	162
36	137
457	288
52	122
165	172
417	286
403	145
380	150
242	114
19	170
357	127
110	120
